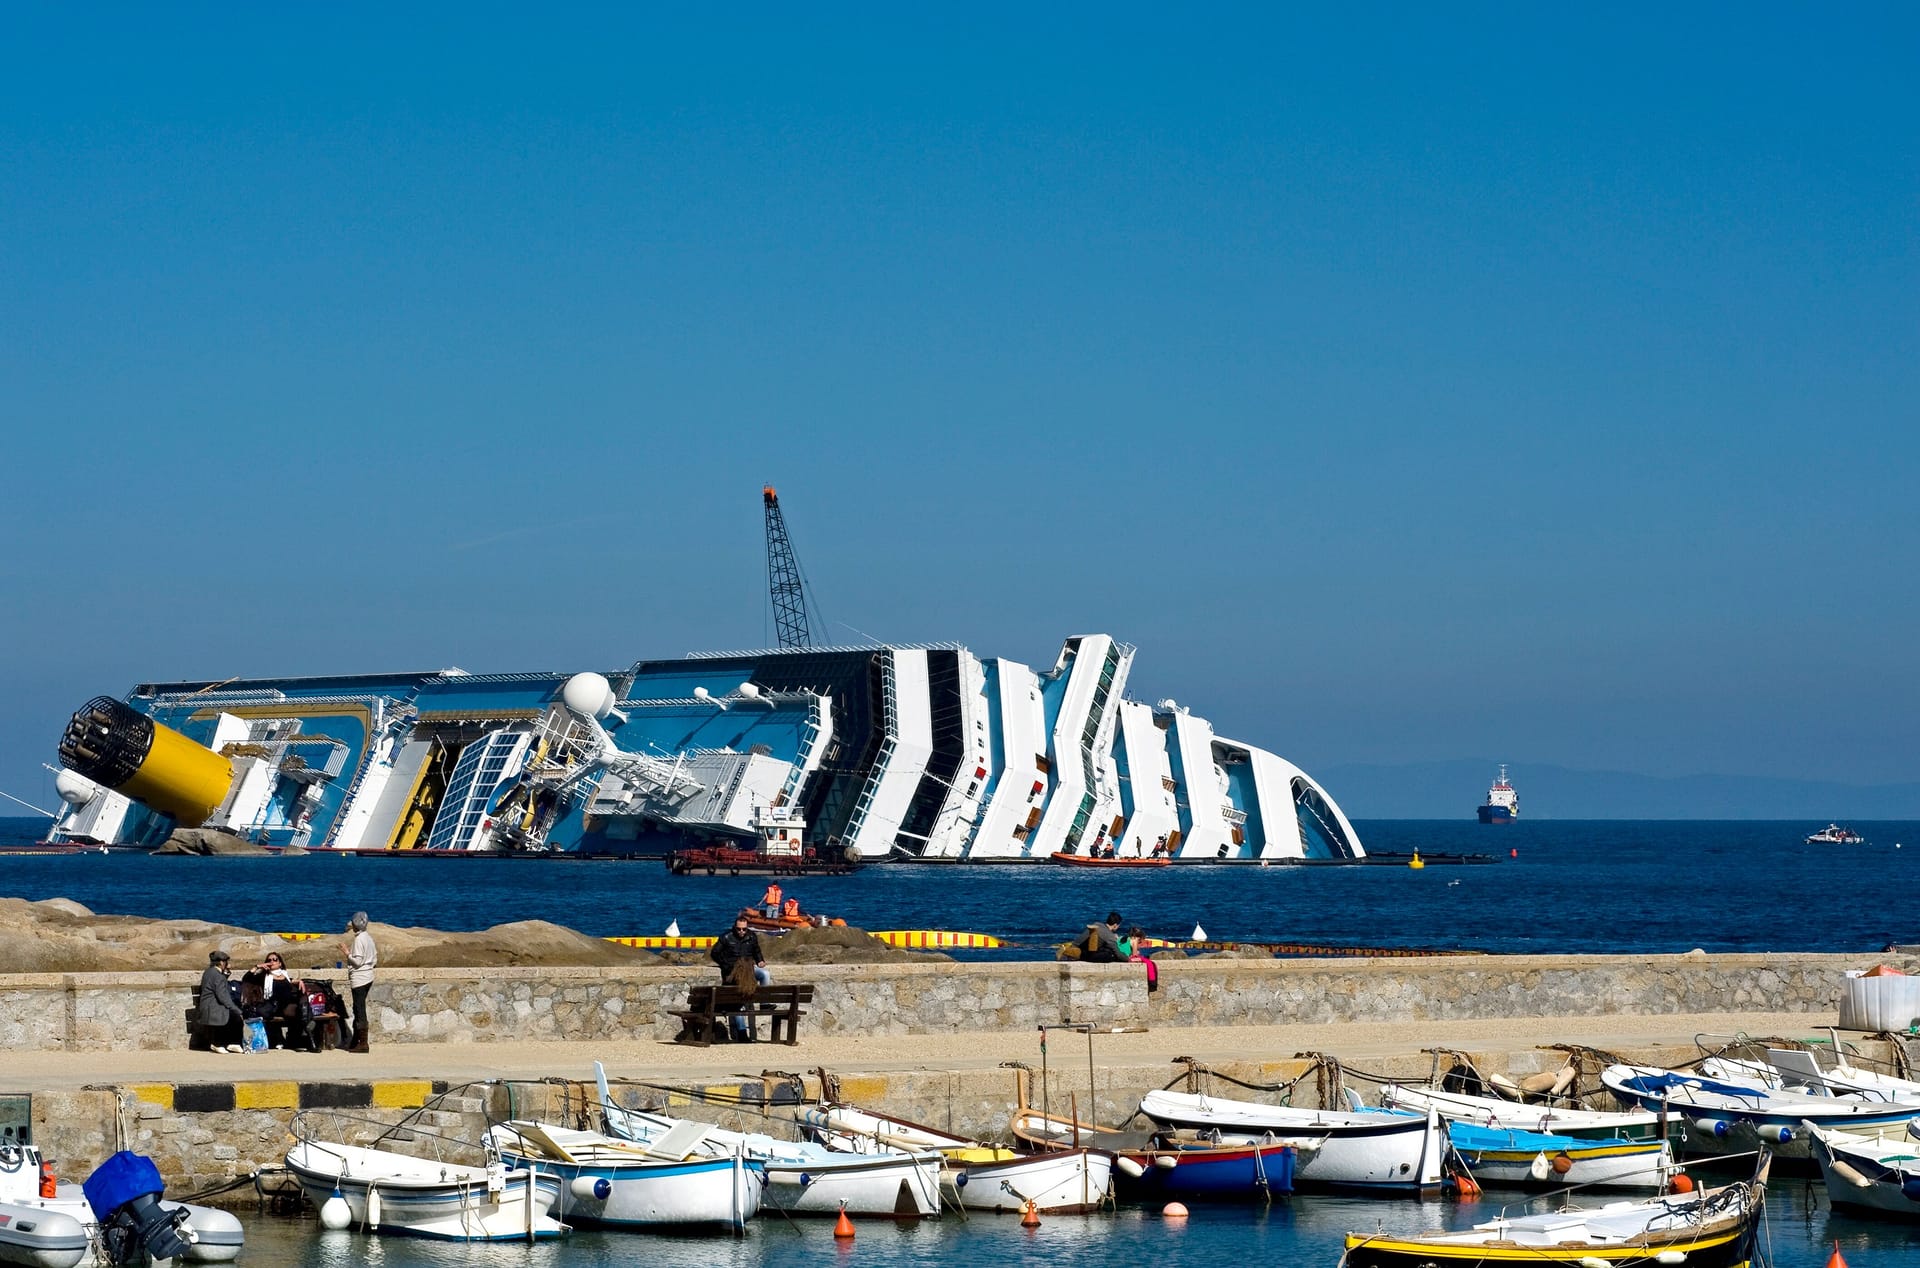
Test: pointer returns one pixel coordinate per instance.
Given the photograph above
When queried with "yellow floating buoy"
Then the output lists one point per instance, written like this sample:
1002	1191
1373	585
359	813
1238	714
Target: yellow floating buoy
1417	862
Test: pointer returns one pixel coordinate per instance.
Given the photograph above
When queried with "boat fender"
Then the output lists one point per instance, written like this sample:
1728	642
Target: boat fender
1854	1178
334	1212
1166	1162
1308	1146
373	1207
1680	1182
798	1178
1539	1168
1671	1257
1715	1127
1592	1261
1775	1135
595	1188
1504	1086
1129	1167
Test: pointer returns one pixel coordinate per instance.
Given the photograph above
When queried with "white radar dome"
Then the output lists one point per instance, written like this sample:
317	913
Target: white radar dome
74	788
588	693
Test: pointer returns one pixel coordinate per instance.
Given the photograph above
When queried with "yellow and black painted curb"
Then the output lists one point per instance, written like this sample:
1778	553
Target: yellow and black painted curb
289	1094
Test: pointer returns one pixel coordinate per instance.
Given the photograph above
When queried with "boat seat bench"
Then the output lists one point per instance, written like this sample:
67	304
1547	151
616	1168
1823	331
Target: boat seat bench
708	1007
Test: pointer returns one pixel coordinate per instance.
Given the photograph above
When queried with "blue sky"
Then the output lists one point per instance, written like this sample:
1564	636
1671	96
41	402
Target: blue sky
1408	385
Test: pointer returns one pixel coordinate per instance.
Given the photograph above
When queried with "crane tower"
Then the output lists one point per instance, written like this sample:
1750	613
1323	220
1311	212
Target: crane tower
783	577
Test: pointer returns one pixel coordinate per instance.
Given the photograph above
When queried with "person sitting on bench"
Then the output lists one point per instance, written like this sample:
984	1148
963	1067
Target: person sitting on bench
736	947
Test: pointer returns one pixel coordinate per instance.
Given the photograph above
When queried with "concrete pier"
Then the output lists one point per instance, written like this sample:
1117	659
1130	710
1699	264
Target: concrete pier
932	1043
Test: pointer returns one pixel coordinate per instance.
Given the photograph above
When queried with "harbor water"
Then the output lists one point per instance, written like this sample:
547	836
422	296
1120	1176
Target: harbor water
1799	1232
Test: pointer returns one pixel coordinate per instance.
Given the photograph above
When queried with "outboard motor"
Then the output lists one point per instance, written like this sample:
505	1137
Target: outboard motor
124	1192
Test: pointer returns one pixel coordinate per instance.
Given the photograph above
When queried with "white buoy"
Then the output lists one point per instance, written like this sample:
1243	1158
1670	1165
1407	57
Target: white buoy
673	930
1199	934
373	1207
335	1213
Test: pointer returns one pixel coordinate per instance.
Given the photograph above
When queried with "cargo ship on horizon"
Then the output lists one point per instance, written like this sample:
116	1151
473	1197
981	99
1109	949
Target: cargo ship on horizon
1502	804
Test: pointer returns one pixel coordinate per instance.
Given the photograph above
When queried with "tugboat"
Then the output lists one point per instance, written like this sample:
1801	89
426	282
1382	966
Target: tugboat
1503	804
1834	834
781	850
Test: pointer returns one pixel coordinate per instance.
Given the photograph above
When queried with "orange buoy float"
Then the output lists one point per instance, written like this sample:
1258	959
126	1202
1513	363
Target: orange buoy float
1465	1187
1174	1211
1561	1163
1836	1259
843	1227
1681	1182
1030	1218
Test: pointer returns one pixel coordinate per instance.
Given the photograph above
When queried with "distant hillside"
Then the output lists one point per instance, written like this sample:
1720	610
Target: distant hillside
1451	790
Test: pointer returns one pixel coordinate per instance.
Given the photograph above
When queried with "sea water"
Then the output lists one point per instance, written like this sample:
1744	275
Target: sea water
1603	887
1799	1232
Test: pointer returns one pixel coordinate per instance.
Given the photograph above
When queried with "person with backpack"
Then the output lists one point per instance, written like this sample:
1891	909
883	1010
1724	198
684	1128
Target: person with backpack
1101	945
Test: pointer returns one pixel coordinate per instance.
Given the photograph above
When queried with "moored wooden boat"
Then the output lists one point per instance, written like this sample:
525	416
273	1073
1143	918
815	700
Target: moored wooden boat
803	1177
388	1192
1877	1172
1709	1228
1531	1160
1492	1111
1729	1112
623	1185
1166	1165
1378	1150
980	1177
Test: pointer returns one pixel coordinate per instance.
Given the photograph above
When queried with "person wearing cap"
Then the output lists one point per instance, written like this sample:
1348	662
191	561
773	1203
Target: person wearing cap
218	1020
1102	942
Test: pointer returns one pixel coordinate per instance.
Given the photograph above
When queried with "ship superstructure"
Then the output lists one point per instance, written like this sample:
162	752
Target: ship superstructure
917	752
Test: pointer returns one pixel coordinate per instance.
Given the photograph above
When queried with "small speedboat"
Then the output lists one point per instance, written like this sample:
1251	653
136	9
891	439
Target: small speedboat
1380	1150
802	1176
58	1229
1834	834
620	1184
1707	1228
388	1192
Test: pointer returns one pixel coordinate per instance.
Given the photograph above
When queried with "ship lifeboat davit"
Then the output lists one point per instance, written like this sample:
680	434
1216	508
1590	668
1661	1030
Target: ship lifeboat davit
115	745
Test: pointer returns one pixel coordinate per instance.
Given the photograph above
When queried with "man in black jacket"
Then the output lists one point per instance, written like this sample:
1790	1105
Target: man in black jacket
736	946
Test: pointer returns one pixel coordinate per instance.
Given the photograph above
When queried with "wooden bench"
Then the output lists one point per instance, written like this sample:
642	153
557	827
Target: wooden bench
324	1030
708	1008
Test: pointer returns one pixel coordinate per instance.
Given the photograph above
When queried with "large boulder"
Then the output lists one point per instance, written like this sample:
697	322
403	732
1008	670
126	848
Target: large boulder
210	841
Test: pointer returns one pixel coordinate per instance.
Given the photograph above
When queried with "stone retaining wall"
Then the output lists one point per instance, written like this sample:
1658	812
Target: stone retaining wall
104	1012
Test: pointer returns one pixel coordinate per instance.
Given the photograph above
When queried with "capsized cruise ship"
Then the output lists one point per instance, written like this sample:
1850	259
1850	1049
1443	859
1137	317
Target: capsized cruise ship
911	752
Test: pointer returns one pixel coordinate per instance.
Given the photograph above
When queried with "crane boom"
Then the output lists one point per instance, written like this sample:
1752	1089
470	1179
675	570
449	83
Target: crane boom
783	577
